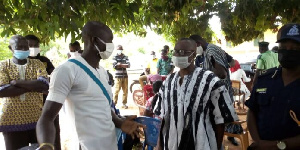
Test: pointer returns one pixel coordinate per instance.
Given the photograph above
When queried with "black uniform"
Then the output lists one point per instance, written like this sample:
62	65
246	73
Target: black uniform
272	103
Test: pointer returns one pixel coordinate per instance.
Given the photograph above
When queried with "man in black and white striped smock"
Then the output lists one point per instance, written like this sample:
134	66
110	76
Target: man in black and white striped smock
194	104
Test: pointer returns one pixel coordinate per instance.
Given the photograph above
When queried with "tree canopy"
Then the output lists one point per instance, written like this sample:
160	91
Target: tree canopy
241	20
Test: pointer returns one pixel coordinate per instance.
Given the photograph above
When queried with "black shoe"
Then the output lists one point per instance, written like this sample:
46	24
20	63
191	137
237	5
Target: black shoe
233	141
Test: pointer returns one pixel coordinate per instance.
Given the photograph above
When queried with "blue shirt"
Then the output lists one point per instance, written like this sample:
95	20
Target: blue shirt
271	102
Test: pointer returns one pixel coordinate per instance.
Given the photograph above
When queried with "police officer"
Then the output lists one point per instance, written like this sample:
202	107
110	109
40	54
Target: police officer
274	106
266	60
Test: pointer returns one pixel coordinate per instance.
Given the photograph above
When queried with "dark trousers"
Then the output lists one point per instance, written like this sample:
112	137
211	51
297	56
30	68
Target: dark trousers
19	139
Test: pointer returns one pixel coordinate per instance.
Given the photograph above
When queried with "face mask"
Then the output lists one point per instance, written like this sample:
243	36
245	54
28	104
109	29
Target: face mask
289	58
199	50
119	52
19	54
34	51
109	49
181	61
74	54
153	56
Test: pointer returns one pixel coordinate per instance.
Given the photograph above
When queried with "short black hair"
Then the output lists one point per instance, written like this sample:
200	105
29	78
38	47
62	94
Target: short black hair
32	37
76	43
166	47
156	86
196	37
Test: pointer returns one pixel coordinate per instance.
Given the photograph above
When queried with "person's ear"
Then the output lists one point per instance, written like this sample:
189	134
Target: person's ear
10	48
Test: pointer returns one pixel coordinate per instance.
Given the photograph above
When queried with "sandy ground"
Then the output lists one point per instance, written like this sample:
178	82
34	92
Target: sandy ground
67	133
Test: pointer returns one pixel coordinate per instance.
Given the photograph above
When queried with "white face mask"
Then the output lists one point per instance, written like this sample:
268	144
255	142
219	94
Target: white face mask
74	54
119	52
153	56
181	61
199	50
109	49
34	51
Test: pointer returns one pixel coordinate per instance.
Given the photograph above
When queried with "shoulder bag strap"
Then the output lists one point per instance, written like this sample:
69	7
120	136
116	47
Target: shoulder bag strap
90	73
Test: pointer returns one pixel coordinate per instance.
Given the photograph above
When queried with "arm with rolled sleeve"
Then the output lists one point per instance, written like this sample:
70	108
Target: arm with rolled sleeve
61	83
223	110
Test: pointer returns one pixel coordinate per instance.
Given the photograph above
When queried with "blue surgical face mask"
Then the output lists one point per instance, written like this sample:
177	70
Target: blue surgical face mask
19	54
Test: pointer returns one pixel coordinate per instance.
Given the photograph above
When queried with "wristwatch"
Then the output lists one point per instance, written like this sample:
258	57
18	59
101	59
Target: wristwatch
281	145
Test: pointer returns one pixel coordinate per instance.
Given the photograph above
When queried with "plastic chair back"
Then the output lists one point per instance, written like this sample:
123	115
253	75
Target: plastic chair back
151	131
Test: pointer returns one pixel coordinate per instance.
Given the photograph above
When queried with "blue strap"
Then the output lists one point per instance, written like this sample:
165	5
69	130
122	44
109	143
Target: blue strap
90	73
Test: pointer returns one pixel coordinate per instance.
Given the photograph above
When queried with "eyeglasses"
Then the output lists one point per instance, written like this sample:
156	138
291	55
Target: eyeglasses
182	52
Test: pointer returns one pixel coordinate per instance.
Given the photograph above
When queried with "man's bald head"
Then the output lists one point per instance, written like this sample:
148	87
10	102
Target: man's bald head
18	42
186	44
96	29
96	34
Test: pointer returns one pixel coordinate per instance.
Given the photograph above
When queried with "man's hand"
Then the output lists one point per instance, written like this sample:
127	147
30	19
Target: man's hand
129	126
264	145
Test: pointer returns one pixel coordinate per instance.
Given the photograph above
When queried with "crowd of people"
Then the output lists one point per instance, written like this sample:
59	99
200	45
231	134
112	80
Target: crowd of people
195	104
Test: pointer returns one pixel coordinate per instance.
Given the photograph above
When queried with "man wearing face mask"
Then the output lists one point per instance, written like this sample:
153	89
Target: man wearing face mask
217	61
188	98
74	50
84	86
164	64
34	48
150	68
266	60
273	117
121	62
22	84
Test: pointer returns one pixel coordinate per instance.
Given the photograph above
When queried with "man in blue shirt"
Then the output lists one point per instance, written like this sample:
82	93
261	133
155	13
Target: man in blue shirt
274	105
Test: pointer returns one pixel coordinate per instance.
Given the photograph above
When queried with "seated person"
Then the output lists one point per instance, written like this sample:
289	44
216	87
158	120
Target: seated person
152	100
239	74
148	90
153	78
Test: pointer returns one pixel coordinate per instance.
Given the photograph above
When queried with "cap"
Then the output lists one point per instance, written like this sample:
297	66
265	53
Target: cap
263	44
119	47
289	31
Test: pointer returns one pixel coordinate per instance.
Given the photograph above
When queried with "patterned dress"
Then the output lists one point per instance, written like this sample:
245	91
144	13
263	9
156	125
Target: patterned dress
21	113
190	110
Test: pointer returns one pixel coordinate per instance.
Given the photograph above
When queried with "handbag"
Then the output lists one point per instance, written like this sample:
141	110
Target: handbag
90	73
